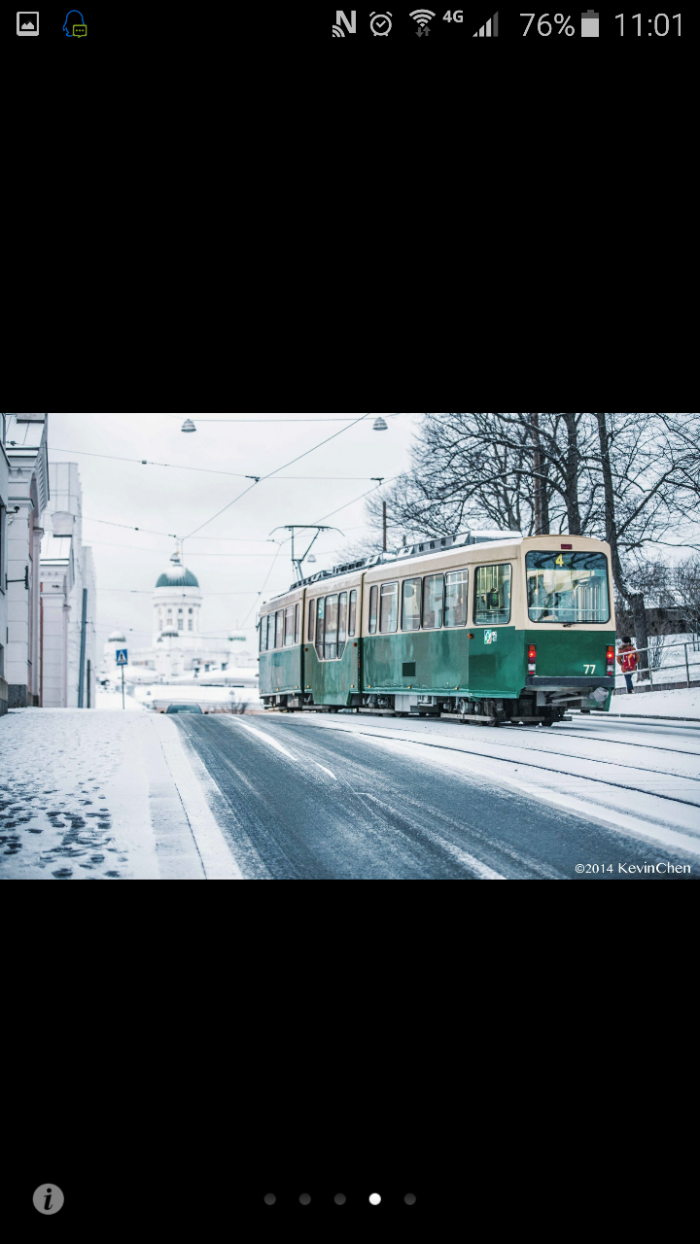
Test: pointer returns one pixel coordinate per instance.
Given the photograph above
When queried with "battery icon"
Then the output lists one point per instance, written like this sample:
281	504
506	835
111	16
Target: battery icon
590	25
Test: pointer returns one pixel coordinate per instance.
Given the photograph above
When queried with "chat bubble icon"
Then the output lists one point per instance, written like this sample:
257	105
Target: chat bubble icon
79	32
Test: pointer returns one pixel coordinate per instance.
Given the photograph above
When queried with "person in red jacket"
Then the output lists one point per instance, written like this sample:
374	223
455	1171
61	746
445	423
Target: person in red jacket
628	659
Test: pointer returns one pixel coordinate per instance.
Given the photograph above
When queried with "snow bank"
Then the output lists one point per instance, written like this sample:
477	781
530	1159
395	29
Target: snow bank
111	701
683	702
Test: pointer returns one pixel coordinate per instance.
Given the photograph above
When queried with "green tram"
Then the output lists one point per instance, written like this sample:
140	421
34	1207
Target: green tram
479	628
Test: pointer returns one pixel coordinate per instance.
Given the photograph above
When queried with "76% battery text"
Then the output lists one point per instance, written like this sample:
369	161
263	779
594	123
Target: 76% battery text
545	27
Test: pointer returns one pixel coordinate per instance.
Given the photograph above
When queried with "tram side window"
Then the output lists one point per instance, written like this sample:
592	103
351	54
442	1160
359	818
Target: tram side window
352	620
320	619
373	596
389	609
492	595
312	620
289	626
270	630
297	624
410	607
456	597
331	640
279	628
342	622
433	597
263	634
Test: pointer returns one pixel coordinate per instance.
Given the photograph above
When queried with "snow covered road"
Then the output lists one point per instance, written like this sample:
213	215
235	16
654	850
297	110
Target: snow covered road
321	796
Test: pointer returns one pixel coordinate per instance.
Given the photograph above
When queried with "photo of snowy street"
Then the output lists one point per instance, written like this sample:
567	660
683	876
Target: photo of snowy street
481	688
342	797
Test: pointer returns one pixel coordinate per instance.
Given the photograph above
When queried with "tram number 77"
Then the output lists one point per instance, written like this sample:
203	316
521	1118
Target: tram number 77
589	669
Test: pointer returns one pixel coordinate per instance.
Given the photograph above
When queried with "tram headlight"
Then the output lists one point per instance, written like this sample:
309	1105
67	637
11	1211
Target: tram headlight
611	659
531	659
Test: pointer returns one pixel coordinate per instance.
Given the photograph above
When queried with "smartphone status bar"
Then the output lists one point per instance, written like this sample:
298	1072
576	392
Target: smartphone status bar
425	27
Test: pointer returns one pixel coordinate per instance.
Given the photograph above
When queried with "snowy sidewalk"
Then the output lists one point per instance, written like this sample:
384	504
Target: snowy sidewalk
103	795
683	702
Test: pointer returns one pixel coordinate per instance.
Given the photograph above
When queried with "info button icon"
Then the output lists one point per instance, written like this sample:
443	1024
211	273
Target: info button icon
27	23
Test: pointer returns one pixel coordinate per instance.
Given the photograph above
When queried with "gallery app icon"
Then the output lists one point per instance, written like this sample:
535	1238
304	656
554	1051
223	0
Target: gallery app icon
27	23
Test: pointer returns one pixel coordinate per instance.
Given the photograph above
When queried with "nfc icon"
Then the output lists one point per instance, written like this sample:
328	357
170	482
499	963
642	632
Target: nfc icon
351	26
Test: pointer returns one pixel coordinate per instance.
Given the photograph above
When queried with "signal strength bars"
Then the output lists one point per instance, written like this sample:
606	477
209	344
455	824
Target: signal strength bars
488	31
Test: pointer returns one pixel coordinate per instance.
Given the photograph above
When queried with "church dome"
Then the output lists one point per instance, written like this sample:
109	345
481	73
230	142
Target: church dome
178	576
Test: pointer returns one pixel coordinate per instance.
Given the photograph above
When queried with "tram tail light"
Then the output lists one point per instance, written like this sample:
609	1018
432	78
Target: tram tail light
531	659
611	660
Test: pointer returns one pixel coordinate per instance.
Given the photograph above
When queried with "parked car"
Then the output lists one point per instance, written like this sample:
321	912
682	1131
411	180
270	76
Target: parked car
184	708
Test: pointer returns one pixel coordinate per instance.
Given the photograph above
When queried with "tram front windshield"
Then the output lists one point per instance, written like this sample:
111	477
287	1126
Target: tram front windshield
567	587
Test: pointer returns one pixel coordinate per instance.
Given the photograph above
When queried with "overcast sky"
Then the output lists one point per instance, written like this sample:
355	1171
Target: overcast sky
230	556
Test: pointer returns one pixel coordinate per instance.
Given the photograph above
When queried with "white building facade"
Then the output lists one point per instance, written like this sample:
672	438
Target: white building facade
68	597
28	495
181	650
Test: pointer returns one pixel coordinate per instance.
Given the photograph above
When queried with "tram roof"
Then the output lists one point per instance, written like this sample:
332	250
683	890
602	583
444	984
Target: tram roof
425	548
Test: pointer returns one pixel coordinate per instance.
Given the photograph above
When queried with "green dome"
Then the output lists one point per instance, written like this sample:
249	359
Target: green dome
177	577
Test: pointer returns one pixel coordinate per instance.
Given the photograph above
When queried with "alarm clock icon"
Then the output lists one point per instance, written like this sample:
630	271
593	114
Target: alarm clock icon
380	23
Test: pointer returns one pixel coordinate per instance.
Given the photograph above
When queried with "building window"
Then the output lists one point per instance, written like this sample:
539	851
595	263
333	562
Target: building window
190	625
181	624
190	611
389	609
492	595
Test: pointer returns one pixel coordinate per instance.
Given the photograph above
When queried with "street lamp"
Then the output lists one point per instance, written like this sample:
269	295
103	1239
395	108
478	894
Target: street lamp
188	426
380	425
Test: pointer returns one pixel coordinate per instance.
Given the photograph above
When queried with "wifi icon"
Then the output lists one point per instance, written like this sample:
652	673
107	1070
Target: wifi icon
422	17
337	32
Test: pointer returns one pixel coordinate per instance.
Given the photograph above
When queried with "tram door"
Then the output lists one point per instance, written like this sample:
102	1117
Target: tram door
492	653
331	647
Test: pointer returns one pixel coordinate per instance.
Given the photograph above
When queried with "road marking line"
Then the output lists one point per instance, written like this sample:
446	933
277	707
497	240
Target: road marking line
265	738
325	770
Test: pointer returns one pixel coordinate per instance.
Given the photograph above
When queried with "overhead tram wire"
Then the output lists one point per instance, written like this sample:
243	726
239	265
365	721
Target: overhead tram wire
177	466
276	472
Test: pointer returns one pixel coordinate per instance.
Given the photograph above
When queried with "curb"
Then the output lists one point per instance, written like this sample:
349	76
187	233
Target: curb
648	717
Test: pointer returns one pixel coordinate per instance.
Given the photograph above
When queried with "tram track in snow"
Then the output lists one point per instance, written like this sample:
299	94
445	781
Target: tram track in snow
556	772
652	747
546	769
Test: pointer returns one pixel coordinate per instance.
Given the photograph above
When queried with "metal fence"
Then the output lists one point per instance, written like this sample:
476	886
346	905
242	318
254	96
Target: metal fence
688	665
